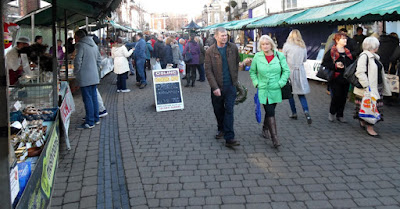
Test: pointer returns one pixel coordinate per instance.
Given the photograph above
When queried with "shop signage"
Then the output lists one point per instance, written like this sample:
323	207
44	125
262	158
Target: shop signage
167	90
67	108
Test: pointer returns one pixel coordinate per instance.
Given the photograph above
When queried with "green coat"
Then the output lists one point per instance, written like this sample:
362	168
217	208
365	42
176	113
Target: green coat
267	76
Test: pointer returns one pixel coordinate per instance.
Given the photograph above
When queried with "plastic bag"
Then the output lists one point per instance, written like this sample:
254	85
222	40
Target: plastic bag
182	67
368	109
257	107
157	66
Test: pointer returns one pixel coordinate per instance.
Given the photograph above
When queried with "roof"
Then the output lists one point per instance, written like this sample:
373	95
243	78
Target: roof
273	20
368	10
237	25
192	25
316	14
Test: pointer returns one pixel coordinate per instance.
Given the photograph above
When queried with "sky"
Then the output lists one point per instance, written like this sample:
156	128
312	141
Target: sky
191	7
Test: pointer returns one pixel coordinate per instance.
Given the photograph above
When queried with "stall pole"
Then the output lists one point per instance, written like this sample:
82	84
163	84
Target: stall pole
5	197
54	31
66	48
87	24
32	27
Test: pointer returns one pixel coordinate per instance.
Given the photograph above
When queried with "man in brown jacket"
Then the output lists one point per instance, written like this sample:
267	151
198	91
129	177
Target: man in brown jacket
221	66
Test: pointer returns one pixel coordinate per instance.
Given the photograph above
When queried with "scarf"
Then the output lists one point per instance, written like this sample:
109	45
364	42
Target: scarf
335	53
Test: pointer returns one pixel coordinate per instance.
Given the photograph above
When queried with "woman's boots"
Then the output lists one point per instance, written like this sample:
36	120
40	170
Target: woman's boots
265	132
272	129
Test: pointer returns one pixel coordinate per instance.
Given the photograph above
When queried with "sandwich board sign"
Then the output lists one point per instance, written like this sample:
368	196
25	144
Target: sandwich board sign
167	90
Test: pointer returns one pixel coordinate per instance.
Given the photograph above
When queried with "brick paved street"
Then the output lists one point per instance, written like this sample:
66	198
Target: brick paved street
138	158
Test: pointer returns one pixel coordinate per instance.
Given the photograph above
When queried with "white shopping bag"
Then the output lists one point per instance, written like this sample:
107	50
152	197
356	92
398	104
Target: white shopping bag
182	67
157	66
368	109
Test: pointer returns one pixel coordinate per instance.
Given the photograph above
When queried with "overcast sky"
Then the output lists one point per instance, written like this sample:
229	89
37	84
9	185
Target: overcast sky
191	7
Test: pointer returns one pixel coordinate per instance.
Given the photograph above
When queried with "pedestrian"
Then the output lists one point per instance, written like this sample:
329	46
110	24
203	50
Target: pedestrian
159	50
182	43
149	51
296	54
371	76
337	59
140	60
70	47
269	72
194	49
359	38
131	61
86	70
168	55
388	44
120	53
222	66
200	68
176	53
211	39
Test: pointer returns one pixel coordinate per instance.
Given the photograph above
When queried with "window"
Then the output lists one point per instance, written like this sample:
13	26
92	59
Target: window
290	4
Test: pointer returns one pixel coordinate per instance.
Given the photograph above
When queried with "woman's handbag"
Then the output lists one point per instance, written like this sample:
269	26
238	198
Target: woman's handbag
257	107
287	88
324	73
188	55
368	109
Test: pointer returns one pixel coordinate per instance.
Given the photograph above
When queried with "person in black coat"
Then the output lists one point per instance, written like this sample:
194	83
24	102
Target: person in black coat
337	59
388	44
159	48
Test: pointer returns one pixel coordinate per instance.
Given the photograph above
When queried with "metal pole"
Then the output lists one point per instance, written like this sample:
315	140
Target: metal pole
87	24
32	27
5	197
55	67
66	46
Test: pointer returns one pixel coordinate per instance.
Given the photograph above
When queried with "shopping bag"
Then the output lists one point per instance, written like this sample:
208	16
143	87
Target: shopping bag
157	66
182	67
393	82
257	107
324	73
368	109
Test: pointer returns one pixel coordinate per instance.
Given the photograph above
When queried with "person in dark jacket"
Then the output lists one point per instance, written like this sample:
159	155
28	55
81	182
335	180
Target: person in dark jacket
351	44
149	52
159	49
168	57
359	38
221	66
140	59
337	59
193	48
388	44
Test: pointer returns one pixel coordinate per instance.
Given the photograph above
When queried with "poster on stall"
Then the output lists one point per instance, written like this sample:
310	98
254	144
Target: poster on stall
14	183
167	90
67	108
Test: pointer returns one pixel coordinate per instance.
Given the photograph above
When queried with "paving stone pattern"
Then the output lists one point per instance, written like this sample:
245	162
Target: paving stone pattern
171	159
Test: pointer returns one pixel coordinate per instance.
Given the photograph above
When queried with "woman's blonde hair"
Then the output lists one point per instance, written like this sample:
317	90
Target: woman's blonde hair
265	38
295	38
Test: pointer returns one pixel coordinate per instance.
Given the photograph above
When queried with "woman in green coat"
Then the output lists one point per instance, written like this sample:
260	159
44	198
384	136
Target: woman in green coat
269	72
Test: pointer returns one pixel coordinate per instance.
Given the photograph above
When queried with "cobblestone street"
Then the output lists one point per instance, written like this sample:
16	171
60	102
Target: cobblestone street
138	158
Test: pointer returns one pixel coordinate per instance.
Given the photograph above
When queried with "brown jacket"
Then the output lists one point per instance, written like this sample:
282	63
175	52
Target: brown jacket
213	65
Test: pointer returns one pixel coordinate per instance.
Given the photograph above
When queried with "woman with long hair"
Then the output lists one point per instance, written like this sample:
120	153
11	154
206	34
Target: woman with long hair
296	54
337	59
269	72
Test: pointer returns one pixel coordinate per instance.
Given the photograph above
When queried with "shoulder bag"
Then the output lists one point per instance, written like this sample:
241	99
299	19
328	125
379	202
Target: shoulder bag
287	88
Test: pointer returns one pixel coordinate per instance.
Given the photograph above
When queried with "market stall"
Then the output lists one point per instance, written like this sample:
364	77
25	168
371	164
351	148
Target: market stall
36	104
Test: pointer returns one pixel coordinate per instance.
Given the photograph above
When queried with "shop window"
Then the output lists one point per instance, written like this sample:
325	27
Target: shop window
291	4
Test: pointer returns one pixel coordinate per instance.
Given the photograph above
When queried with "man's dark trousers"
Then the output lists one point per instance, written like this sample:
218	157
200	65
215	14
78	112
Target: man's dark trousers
223	110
